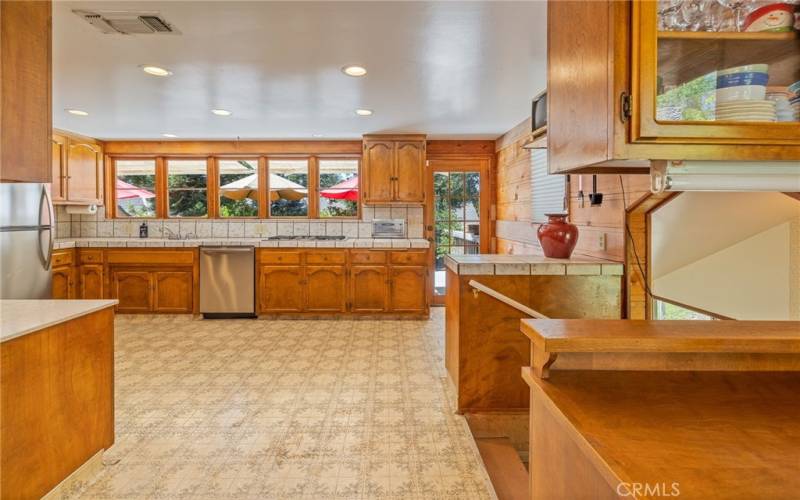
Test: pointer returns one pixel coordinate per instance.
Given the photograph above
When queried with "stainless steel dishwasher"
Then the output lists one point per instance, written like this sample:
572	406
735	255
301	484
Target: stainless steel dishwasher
227	282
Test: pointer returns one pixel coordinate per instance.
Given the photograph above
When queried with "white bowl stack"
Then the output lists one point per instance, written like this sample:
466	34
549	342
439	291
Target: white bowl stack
741	95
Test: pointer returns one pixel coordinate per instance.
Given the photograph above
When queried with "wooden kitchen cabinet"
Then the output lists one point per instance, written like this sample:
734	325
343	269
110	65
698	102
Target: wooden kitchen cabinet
394	169
173	291
58	190
326	289
343	281
77	169
369	289
408	289
133	289
63	274
281	289
84	171
637	105
90	279
25	94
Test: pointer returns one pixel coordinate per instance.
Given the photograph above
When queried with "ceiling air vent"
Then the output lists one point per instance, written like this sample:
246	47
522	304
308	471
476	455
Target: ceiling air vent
127	22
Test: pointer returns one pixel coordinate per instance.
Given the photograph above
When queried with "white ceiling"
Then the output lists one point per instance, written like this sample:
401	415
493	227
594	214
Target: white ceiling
448	69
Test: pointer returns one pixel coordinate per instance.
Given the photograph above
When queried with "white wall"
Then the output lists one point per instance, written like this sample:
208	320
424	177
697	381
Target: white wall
757	278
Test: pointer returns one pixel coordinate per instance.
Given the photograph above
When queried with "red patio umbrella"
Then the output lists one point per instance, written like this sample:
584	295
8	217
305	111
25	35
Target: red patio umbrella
345	190
127	191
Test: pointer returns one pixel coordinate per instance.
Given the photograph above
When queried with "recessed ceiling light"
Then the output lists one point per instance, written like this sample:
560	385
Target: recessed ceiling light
155	70
354	70
77	112
363	112
317	136
169	136
221	112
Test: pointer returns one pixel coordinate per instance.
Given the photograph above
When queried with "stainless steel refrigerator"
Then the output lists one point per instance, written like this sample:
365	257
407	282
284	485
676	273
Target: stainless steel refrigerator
26	241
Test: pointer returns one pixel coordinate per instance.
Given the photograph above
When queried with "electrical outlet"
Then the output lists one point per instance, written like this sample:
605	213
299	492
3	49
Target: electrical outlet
601	241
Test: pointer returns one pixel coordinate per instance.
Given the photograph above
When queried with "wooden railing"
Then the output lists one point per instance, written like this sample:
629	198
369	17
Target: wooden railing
479	287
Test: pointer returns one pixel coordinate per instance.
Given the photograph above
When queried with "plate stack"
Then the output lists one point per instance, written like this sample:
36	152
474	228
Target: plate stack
783	108
747	111
794	100
741	93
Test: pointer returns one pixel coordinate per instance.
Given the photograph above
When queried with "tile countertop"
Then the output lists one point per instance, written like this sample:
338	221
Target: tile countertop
257	242
520	265
21	317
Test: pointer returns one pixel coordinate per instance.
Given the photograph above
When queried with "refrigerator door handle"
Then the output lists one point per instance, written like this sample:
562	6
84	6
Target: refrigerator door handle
46	260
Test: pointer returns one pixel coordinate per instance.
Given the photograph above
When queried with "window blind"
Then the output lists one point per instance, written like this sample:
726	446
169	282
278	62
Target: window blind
548	192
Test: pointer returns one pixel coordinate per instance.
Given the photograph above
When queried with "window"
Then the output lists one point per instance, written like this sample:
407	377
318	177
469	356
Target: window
548	192
135	188
667	310
338	188
238	188
288	188
187	188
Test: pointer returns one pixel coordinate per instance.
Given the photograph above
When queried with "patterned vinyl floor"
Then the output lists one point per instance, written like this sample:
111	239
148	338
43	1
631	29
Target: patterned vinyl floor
285	410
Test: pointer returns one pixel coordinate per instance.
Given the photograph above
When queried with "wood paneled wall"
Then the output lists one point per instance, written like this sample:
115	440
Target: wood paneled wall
515	232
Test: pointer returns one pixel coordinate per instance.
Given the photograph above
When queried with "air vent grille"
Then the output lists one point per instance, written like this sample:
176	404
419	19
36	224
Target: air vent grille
128	23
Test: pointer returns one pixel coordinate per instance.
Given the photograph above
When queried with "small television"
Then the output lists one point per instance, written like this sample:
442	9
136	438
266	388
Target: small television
539	112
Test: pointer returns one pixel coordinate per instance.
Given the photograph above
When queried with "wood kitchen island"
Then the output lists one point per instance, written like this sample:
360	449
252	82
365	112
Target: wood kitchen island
56	392
653	409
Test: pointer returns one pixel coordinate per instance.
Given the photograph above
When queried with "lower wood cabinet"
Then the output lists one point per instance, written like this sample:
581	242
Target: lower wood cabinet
133	290
354	281
90	279
408	289
326	289
280	289
369	289
152	290
63	282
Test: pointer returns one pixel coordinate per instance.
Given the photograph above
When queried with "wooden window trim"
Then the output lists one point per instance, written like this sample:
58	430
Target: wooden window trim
360	201
165	187
309	213
214	166
213	187
111	187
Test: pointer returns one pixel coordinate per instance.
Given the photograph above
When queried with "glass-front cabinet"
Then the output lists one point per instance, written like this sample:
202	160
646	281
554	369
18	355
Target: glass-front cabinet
715	72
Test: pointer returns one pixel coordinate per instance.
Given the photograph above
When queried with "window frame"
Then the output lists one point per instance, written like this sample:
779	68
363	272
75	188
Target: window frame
260	170
357	159
213	185
111	187
210	191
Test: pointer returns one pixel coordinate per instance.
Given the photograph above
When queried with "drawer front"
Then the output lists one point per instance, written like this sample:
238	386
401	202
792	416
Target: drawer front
91	256
410	257
332	257
62	257
140	256
279	257
368	257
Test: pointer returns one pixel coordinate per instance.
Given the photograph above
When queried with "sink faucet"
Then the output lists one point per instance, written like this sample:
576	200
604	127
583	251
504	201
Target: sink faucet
171	234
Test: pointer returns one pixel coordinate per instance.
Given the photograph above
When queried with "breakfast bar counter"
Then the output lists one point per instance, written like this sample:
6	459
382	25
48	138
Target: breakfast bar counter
56	392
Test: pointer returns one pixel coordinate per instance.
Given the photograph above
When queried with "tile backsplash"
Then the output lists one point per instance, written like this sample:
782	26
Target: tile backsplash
97	226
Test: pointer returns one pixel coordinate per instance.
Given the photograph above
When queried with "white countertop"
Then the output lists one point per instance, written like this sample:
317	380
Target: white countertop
21	317
495	264
257	242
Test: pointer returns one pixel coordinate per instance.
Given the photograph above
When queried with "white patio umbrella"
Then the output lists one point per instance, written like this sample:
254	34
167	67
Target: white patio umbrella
279	188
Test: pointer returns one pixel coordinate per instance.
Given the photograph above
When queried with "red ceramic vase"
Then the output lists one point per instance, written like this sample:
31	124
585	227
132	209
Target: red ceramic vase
557	237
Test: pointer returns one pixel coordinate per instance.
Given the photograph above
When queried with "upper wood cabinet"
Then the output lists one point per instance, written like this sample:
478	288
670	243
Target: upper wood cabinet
77	169
25	120
58	144
622	92
393	169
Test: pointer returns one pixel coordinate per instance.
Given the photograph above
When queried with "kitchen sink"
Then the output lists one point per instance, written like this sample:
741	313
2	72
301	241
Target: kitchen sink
307	238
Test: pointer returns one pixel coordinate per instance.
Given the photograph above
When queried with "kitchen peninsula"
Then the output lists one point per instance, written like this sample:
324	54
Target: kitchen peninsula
57	391
484	350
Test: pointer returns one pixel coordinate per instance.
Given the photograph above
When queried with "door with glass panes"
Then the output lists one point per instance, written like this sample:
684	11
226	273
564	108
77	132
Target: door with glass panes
458	222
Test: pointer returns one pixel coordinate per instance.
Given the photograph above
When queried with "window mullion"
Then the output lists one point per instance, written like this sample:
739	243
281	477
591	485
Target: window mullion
313	187
161	188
